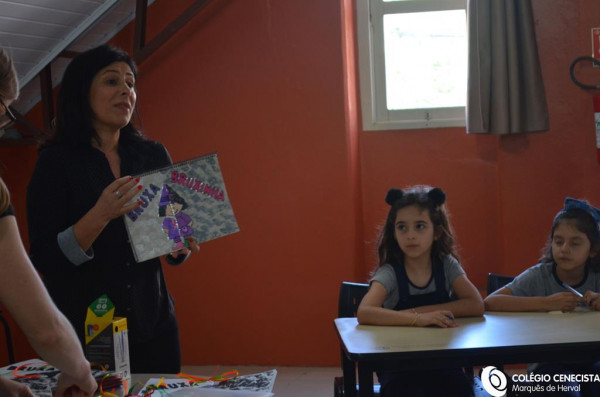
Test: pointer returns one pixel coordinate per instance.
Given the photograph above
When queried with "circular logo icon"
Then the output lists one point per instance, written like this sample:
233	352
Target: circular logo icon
494	381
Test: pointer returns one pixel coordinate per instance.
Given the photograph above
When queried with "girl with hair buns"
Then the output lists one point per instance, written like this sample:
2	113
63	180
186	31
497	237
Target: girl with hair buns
22	291
419	282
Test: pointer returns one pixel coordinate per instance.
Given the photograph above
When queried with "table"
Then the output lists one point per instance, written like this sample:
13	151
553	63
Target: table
494	339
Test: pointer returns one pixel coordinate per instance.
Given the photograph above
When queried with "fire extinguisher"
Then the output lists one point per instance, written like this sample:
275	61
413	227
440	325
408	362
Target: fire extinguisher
597	121
596	63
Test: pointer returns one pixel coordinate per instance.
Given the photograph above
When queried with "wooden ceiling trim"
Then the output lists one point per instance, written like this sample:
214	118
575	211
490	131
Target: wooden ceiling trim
141	54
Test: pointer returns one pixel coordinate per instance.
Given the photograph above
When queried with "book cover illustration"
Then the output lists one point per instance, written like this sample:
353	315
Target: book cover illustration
41	378
185	200
257	385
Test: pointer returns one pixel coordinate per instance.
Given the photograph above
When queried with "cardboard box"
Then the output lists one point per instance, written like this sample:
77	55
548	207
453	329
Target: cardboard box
106	338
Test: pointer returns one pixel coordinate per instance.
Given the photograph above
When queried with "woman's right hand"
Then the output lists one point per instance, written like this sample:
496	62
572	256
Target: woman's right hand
439	318
114	198
71	387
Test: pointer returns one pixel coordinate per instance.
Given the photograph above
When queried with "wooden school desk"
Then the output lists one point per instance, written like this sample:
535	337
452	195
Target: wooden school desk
494	339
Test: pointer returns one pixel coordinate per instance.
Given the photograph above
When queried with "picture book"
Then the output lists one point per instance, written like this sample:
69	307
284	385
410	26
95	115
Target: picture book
257	385
182	201
41	377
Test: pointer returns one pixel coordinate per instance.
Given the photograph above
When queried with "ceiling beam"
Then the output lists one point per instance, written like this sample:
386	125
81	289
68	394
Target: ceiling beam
139	39
170	30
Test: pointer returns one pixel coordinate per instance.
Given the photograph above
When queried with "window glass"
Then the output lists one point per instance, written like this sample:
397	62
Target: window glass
435	43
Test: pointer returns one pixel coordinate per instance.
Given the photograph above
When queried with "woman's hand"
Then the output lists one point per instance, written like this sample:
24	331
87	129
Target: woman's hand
10	388
71	387
439	318
591	300
563	301
114	198
192	247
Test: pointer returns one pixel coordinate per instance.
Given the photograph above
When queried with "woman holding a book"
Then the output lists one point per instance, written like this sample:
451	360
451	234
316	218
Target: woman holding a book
81	187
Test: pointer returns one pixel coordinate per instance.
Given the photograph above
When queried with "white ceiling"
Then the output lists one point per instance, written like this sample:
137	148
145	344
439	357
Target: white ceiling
34	32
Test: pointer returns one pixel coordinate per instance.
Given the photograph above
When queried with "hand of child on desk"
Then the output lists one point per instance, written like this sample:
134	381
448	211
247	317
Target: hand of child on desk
563	301
591	300
439	318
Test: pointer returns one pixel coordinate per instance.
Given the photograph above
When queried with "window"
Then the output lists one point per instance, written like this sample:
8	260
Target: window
412	63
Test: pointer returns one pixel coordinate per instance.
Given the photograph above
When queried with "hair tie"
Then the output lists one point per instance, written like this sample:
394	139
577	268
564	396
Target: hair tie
437	195
393	195
571	203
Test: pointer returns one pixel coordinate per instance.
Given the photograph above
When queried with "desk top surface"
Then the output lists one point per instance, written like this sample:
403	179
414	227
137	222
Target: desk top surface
493	330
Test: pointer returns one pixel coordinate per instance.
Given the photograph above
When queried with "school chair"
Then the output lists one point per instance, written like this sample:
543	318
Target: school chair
350	296
497	281
494	283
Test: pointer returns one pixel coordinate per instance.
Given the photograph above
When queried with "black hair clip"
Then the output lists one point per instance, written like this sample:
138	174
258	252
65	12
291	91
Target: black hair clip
393	195
437	195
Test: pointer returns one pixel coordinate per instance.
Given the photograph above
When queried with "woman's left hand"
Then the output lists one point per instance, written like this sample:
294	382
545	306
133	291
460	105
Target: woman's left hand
193	247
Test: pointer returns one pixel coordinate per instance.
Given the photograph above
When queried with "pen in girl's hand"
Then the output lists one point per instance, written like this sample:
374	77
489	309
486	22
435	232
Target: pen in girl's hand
573	290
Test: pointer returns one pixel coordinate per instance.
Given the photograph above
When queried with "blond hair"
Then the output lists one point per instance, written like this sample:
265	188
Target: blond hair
9	91
9	84
4	196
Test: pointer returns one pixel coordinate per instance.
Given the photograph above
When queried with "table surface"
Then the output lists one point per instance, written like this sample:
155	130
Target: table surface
493	330
494	339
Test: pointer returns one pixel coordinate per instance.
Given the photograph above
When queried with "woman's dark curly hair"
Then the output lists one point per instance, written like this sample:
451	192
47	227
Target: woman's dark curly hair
74	114
583	222
426	198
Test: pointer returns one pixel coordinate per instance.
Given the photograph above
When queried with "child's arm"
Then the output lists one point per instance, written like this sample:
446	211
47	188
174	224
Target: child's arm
468	304
503	300
370	312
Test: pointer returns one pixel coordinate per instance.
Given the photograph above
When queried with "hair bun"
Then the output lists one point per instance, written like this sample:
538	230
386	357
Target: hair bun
437	195
393	195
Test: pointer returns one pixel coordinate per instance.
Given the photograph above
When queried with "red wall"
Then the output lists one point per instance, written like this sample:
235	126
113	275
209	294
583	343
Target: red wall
265	83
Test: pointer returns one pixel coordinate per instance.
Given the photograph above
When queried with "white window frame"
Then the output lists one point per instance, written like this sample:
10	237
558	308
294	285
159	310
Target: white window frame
375	115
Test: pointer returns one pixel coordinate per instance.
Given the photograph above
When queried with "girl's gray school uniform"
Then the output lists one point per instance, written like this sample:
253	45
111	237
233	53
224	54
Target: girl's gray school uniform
541	280
387	277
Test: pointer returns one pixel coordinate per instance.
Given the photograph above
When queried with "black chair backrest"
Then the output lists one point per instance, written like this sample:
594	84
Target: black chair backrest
497	281
350	296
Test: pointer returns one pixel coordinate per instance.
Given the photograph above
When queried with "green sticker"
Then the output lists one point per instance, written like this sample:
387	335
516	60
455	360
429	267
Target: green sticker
101	306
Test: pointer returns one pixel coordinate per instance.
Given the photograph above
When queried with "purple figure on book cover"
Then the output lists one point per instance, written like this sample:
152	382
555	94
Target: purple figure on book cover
177	225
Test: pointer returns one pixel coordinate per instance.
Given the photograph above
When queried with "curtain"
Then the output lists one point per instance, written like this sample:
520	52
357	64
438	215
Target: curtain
505	93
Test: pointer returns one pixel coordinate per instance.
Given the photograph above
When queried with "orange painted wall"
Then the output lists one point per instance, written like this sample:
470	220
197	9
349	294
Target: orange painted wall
264	83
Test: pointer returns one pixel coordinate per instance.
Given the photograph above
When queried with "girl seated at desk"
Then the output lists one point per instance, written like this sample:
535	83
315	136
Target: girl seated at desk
566	279
419	282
